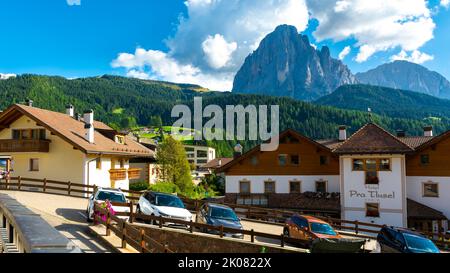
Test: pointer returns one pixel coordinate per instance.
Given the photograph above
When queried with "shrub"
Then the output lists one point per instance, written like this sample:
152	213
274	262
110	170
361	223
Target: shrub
139	186
165	187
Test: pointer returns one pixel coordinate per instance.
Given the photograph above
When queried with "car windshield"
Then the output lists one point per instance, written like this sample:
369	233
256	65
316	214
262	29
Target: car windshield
322	229
420	244
223	213
168	201
111	196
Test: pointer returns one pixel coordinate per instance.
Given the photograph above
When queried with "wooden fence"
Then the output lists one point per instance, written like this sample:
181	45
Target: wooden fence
273	216
128	233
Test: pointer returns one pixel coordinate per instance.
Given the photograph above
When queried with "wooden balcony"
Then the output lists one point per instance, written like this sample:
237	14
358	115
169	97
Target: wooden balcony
24	146
118	174
134	173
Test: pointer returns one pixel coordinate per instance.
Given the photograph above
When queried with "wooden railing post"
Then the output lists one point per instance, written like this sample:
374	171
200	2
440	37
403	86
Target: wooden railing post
221	231
166	247
191	228
252	236
45	185
124	234
282	239
356	227
69	188
131	219
142	231
108	222
160	221
19	181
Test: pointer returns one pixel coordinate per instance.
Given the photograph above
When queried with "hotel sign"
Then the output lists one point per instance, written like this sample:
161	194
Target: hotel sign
372	194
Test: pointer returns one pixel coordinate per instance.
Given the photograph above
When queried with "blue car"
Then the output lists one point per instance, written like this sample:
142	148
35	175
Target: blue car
219	215
401	240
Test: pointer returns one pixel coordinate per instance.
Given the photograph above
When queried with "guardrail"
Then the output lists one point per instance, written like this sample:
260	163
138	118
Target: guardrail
275	216
17	237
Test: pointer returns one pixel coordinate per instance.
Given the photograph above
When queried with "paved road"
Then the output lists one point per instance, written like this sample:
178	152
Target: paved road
66	214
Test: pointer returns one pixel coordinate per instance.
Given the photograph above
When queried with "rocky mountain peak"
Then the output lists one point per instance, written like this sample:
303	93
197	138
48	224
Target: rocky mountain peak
286	64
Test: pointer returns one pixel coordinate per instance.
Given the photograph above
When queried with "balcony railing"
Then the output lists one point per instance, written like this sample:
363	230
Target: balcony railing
24	146
134	173
118	174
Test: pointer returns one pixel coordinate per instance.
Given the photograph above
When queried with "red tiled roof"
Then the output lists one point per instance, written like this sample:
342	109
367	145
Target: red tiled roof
420	211
415	141
214	164
72	131
372	139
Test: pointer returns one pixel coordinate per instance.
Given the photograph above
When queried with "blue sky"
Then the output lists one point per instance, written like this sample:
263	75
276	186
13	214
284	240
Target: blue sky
147	38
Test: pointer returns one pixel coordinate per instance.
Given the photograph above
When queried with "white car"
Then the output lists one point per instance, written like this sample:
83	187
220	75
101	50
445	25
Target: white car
162	204
112	195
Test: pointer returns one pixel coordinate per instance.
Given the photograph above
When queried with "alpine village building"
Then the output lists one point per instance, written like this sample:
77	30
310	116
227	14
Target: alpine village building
37	143
373	176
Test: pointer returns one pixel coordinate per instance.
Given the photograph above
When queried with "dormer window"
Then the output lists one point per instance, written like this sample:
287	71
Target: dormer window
120	139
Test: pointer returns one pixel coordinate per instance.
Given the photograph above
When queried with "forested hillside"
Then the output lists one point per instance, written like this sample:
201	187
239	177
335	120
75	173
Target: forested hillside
116	98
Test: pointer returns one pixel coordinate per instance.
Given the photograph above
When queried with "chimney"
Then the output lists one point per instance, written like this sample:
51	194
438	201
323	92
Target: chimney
70	110
428	131
89	125
237	151
219	162
342	133
29	102
401	133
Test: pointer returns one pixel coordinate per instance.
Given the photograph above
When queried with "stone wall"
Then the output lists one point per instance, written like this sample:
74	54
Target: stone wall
181	241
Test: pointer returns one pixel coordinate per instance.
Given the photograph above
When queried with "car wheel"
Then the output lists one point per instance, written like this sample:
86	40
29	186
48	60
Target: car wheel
88	217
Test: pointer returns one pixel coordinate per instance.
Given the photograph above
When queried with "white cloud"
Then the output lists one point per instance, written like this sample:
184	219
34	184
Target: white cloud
7	76
376	25
344	53
445	3
215	37
218	51
415	57
73	2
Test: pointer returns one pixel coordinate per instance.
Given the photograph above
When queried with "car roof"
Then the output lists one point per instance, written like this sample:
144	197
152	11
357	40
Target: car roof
216	205
405	230
311	218
109	190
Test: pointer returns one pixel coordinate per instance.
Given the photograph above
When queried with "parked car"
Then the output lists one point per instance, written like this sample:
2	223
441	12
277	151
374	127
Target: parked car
401	240
162	204
104	194
219	215
309	228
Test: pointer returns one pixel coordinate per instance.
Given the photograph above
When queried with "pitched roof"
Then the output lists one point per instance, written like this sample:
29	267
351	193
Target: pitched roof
72	131
214	164
372	139
420	211
257	148
330	143
415	141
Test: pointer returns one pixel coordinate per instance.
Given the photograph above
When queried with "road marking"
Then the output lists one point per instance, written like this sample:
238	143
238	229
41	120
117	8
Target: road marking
82	214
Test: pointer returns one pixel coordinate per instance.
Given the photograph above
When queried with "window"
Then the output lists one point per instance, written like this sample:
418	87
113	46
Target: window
301	222
384	165
282	160
269	187
424	159
358	165
244	186
189	149
295	160
202	153
430	189
372	210
28	134
372	178
295	187
371	165
321	186
254	160
98	163
34	165
120	139
324	160
254	200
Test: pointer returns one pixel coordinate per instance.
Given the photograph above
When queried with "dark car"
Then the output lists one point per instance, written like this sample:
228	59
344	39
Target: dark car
219	215
401	240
